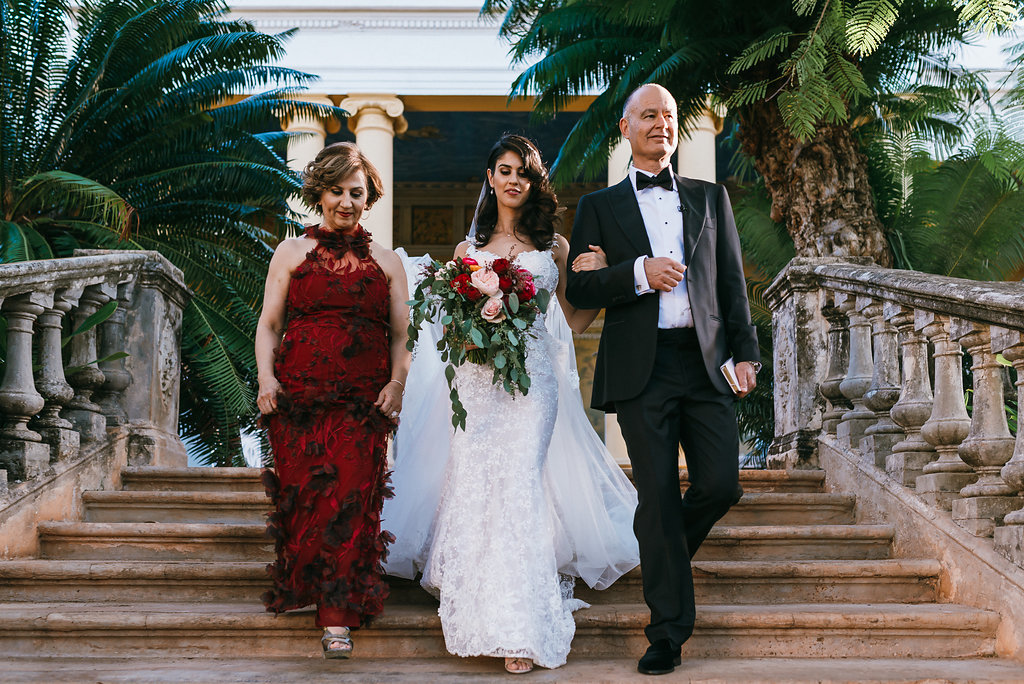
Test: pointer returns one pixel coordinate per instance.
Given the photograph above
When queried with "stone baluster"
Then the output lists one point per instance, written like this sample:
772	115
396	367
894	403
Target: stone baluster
22	451
948	424
989	444
878	440
838	359
110	396
858	375
153	334
82	411
58	432
910	455
1009	538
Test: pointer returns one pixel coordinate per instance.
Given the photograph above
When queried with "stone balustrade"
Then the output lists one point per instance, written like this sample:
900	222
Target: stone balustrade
60	393
872	360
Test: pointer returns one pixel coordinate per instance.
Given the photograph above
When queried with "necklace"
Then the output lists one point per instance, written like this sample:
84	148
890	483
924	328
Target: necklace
339	243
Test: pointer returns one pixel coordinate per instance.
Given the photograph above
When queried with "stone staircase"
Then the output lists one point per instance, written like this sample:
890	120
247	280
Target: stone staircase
172	567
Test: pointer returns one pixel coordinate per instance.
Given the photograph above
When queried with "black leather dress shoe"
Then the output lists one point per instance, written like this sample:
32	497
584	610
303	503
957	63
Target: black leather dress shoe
661	658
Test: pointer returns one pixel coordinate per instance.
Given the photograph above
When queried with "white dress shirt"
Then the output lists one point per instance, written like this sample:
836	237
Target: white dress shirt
663	220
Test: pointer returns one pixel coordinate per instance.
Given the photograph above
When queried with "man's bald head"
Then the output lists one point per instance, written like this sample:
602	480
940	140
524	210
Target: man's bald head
634	96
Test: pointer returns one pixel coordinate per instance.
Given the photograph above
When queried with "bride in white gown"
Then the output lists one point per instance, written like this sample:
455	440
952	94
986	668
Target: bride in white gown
500	518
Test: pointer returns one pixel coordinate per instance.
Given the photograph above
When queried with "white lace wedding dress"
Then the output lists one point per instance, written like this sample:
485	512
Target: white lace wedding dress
521	507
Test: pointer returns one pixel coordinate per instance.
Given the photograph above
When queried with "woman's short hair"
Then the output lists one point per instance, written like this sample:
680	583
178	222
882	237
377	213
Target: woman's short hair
333	164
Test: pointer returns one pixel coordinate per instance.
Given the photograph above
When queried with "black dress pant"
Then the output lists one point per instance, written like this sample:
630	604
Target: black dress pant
679	406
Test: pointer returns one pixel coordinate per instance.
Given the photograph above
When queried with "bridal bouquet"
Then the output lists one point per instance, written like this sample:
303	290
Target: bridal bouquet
486	311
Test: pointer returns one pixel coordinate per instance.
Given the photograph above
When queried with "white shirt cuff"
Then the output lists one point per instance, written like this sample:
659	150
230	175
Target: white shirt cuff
640	277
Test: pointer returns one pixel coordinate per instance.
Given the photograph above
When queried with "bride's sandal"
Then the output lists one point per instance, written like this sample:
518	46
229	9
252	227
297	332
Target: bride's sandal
336	644
518	665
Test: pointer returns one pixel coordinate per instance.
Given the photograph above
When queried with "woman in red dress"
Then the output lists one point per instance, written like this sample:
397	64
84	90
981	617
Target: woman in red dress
332	361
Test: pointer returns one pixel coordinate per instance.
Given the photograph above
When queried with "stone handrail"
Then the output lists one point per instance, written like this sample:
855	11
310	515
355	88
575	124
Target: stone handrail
872	359
45	417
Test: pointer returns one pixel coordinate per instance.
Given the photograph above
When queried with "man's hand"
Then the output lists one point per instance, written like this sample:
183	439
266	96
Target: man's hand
746	377
663	273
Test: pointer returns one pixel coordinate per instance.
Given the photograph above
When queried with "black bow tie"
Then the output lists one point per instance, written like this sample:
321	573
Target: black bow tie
663	180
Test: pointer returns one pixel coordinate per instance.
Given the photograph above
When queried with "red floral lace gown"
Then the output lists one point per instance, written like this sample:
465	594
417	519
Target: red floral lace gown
329	440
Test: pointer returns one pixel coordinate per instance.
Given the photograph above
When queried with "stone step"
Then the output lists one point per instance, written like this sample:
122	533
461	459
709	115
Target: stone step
796	481
248	479
719	582
218	630
154	541
797	542
758	508
175	506
792	508
606	670
778	582
192	479
205	541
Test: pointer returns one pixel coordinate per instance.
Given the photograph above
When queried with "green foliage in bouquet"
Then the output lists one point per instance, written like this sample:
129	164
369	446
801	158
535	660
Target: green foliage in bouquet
444	296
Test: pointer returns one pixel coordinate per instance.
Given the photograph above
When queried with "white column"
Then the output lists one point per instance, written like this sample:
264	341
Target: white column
618	161
618	164
375	119
697	160
697	148
304	147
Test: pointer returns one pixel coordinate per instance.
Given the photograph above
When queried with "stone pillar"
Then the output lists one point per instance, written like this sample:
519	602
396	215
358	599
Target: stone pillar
112	349
618	168
376	119
22	451
799	363
838	359
58	432
910	455
878	440
697	147
1009	538
153	333
618	161
311	132
86	378
948	424
989	444
858	375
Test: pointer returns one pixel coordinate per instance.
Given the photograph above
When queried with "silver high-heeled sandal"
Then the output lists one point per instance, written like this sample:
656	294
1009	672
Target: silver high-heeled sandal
336	644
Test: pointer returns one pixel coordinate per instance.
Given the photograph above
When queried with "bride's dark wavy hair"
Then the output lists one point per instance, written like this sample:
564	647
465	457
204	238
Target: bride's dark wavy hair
538	220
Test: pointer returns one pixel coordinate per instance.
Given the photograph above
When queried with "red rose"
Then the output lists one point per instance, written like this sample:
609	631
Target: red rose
469	261
505	283
462	284
527	290
500	266
473	294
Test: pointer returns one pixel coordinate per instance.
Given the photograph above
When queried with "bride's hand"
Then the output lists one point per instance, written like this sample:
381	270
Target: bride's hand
594	260
389	401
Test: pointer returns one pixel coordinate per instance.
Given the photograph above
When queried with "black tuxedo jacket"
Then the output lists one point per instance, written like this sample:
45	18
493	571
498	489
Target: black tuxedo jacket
714	279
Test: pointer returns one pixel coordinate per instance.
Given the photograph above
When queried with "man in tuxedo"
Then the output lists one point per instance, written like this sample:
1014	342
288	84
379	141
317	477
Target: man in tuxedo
676	309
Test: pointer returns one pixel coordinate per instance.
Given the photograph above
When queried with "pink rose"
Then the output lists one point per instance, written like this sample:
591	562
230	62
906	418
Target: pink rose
492	310
486	281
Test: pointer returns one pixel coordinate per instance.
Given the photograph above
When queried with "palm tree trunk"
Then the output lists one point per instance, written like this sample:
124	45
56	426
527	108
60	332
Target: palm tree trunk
819	188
